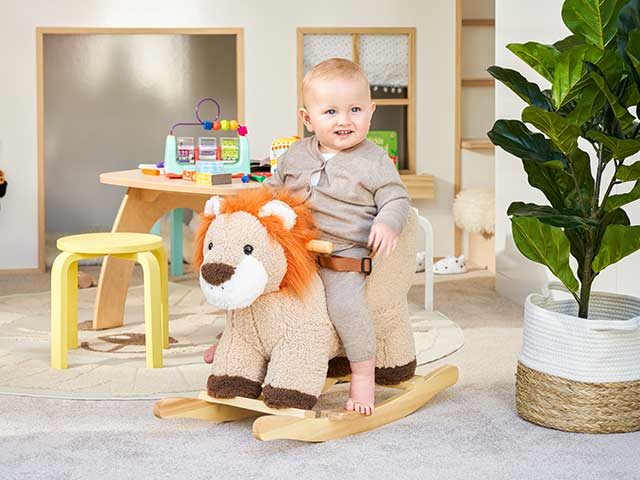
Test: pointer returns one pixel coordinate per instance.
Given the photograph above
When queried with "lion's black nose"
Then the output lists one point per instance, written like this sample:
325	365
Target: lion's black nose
217	273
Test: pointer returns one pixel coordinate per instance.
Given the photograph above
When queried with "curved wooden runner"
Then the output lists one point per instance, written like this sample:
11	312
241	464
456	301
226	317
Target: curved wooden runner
310	425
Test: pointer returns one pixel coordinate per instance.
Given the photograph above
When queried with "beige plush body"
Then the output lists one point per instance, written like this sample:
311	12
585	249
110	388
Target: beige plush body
276	341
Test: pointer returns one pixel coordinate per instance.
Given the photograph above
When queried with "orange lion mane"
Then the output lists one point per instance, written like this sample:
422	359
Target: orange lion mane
301	263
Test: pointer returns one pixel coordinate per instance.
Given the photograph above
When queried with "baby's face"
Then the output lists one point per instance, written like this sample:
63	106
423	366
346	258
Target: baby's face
338	111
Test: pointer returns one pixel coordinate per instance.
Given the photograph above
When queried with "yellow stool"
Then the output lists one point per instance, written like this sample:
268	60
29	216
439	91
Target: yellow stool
147	250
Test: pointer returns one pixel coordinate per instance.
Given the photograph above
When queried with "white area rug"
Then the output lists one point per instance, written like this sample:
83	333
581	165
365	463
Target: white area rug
110	363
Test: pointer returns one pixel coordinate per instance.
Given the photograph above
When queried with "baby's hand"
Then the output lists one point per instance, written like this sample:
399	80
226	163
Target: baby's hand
382	239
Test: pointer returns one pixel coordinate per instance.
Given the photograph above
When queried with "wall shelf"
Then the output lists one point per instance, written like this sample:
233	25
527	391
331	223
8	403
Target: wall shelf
420	187
478	22
391	101
476	144
478	82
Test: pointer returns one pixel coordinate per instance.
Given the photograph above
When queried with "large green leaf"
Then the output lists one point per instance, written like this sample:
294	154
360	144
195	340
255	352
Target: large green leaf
546	245
616	217
514	137
616	201
621	113
633	48
628	20
552	182
580	167
577	240
564	218
631	96
590	104
620	148
618	242
541	58
561	132
594	20
528	91
570	74
568	42
627	173
559	186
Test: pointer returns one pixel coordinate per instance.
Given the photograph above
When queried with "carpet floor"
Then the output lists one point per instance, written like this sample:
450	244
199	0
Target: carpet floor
470	431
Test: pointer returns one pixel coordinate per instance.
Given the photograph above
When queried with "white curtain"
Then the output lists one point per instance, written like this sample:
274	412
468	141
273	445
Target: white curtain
318	48
385	59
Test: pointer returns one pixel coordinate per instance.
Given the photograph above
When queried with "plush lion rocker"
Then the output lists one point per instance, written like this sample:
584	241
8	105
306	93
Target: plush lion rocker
278	340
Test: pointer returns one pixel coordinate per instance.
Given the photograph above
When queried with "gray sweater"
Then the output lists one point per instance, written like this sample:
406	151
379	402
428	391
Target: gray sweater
357	188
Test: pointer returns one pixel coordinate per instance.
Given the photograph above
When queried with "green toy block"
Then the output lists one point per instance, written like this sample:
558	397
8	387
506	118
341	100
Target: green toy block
388	141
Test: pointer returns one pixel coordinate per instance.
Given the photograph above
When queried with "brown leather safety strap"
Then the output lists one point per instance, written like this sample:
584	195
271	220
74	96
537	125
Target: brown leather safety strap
346	264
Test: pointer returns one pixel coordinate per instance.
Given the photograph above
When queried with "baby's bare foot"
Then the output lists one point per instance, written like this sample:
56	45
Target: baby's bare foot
361	394
210	353
362	387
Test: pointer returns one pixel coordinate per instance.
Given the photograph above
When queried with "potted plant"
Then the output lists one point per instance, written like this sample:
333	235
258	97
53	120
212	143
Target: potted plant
579	369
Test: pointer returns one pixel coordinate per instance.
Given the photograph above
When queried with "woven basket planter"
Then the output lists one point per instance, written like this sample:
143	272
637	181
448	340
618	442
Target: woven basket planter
581	375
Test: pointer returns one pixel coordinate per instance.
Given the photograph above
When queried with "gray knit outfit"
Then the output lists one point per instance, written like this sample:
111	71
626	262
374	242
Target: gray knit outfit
356	188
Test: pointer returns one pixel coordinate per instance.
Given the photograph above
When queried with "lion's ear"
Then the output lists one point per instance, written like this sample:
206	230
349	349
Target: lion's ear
281	210
212	207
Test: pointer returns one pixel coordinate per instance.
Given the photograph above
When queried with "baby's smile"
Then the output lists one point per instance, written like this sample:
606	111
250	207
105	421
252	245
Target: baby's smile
343	132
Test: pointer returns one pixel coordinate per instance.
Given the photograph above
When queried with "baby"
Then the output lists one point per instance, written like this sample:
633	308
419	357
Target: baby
358	200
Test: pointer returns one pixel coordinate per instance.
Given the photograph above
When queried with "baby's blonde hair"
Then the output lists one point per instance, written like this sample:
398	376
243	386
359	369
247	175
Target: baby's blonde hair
331	69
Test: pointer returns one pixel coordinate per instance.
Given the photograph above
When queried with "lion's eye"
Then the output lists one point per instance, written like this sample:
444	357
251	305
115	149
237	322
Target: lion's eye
248	249
210	245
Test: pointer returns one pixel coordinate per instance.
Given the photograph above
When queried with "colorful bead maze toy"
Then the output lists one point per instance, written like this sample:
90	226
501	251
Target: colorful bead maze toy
235	157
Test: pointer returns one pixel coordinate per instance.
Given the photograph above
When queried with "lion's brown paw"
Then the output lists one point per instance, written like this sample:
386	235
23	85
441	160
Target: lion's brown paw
395	375
286	398
226	386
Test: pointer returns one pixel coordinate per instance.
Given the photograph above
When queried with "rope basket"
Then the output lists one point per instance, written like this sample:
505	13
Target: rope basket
576	374
573	406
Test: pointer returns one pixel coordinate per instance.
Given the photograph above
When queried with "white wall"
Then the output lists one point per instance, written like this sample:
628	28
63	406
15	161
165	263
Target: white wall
270	72
520	21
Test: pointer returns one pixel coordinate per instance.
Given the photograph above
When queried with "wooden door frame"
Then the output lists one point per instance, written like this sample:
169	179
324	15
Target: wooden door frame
42	31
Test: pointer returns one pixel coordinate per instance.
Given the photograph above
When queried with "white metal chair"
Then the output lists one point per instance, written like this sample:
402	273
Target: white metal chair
427	230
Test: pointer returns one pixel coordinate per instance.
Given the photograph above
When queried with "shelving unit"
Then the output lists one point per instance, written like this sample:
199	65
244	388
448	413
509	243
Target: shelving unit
471	88
478	22
478	82
476	144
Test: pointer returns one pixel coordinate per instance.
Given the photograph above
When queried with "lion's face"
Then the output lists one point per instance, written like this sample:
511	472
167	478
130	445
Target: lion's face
240	261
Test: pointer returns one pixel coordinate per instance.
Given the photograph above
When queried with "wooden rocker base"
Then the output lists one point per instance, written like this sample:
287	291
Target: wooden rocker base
311	425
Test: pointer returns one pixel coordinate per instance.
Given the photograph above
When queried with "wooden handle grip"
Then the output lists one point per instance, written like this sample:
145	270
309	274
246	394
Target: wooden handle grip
320	246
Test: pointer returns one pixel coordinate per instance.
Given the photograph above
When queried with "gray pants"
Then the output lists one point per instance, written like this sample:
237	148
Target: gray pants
349	313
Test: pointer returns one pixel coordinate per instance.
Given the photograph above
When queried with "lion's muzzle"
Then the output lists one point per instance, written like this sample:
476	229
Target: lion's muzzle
216	273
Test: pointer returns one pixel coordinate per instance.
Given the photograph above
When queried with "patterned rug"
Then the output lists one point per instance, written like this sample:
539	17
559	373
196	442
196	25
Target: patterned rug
110	364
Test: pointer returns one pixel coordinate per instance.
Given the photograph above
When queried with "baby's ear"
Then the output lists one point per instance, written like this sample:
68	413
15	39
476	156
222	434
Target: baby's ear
304	115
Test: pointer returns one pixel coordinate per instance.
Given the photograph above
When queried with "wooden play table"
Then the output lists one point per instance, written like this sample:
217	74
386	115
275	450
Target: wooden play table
147	199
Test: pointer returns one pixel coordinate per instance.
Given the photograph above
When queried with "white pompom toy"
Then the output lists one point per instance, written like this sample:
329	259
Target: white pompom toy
474	211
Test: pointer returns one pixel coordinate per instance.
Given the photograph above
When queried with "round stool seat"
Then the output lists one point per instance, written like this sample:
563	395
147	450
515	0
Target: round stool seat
105	243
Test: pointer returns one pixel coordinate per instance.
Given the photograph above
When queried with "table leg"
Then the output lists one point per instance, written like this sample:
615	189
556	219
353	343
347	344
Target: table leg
139	210
177	219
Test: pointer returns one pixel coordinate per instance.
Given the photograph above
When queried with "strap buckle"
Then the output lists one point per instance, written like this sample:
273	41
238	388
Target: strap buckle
366	265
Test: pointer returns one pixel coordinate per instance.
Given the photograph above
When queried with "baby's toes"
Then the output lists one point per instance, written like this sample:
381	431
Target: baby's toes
349	405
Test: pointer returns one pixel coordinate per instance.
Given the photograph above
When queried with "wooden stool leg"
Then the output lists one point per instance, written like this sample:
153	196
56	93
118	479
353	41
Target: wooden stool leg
152	308
62	302
72	312
161	257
